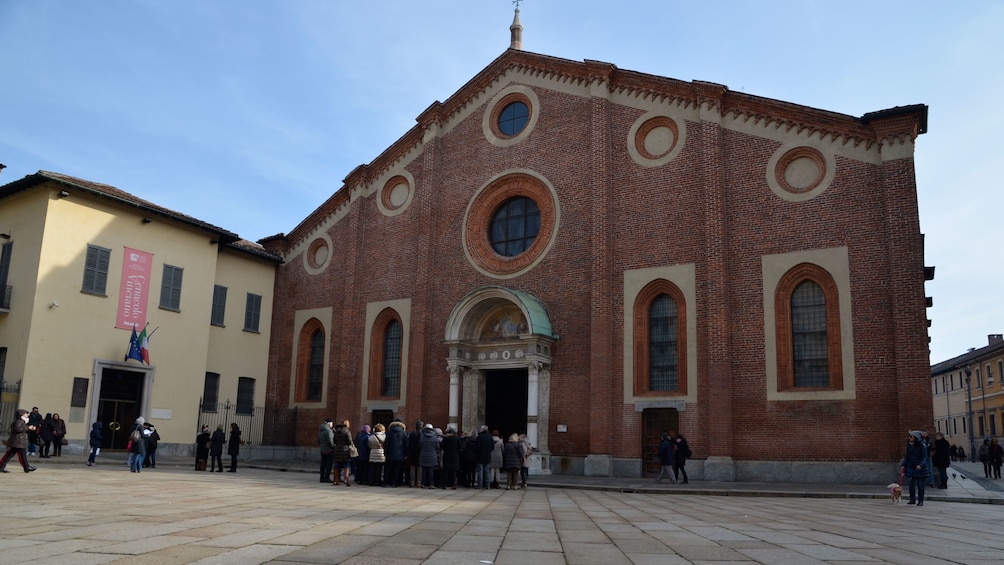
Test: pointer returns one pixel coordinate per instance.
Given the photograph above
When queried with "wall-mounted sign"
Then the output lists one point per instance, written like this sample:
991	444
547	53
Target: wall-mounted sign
134	290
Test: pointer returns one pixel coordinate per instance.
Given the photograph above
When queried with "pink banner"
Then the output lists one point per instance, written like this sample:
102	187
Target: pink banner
134	291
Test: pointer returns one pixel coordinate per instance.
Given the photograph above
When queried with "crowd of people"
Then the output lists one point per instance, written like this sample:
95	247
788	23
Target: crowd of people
209	448
426	457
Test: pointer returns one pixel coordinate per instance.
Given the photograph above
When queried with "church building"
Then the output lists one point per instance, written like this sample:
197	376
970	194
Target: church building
593	256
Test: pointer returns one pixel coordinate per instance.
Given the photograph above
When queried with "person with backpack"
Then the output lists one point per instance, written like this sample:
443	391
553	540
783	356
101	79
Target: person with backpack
680	456
136	430
137	447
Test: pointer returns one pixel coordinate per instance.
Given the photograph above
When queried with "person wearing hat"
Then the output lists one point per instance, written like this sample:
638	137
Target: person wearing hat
428	454
914	466
326	445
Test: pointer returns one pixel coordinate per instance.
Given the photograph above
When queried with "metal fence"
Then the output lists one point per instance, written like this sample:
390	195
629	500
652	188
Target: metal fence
10	396
249	419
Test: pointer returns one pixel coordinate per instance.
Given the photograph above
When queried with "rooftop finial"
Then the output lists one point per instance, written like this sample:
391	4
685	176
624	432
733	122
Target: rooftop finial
516	29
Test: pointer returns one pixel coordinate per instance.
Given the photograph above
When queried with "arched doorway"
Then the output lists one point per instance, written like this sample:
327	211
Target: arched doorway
500	346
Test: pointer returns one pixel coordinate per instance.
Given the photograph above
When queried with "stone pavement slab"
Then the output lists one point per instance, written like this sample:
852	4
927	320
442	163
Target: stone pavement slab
173	515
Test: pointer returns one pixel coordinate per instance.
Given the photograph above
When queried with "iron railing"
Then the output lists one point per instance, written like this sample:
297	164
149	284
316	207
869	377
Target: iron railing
249	419
10	396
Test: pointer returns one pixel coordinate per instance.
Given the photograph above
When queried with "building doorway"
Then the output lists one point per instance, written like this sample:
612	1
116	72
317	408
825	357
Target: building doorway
505	401
119	404
655	421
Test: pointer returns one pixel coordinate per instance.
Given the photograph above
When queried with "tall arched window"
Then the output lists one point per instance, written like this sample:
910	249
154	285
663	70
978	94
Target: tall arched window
316	375
807	319
808	333
391	378
310	357
660	322
386	357
663	360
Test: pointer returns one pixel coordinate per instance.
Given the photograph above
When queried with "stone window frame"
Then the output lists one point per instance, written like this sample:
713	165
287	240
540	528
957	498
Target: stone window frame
642	369
304	356
495	107
784	339
377	361
481	210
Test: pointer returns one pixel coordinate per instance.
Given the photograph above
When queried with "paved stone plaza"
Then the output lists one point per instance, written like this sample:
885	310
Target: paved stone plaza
73	514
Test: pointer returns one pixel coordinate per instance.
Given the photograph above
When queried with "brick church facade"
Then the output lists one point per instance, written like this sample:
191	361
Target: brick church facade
593	255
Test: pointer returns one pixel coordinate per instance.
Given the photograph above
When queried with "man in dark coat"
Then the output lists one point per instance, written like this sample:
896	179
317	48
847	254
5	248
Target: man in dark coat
413	449
326	445
395	446
484	447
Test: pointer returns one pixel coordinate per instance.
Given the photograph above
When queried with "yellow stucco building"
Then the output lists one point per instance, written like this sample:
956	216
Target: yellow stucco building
968	395
84	263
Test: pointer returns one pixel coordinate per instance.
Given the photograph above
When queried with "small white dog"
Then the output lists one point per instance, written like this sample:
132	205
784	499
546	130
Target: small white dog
896	492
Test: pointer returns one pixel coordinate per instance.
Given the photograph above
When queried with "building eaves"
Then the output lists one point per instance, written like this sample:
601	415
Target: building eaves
966	359
252	248
116	195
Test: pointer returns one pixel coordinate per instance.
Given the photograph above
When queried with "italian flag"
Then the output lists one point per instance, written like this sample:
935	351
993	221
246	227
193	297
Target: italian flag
144	346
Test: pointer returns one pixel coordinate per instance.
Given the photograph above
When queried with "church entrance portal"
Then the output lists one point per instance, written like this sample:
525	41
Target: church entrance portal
506	401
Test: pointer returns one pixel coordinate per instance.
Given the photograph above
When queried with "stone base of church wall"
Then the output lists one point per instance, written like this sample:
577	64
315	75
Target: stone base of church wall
725	469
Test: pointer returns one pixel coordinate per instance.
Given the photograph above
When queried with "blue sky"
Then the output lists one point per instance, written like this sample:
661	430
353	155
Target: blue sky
248	114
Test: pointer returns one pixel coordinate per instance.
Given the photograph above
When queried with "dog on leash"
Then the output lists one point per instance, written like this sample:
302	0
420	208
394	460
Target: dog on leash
896	492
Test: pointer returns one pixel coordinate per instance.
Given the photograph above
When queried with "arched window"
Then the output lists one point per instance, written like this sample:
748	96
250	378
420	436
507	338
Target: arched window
391	378
316	375
386	355
808	330
808	334
660	360
310	362
663	360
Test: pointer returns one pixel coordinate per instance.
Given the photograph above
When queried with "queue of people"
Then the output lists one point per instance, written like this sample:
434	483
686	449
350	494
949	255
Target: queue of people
426	457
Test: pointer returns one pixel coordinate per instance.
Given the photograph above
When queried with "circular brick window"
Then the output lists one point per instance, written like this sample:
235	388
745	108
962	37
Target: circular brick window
656	139
800	170
510	116
318	255
396	194
510	224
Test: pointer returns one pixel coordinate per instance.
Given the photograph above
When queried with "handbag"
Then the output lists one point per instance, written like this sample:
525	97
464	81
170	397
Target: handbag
64	441
353	450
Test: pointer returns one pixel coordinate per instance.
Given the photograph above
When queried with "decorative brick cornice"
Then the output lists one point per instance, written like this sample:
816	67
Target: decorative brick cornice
897	124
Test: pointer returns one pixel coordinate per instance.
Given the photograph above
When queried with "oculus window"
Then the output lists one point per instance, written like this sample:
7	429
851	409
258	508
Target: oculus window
514	226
